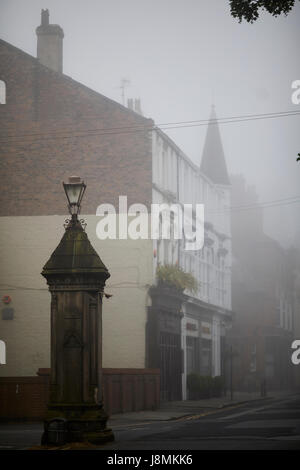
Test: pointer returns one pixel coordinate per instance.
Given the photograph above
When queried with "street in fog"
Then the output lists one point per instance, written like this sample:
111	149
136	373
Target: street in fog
272	425
268	424
149	224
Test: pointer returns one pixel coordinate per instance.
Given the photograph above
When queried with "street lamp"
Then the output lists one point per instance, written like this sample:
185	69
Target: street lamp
74	190
76	278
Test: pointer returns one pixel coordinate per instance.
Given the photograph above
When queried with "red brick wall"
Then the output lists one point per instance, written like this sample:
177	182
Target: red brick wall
130	390
23	397
123	390
52	127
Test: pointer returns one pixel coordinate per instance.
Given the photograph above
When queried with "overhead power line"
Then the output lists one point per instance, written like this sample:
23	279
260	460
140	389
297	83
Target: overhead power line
257	206
61	134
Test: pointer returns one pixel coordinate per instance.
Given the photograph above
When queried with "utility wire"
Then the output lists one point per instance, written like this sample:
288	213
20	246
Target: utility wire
134	129
274	203
262	205
143	127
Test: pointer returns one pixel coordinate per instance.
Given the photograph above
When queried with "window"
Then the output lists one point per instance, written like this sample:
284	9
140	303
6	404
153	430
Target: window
166	251
192	354
2	92
165	170
206	357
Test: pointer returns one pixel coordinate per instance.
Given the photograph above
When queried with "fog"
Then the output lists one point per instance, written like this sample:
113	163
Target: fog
180	57
157	319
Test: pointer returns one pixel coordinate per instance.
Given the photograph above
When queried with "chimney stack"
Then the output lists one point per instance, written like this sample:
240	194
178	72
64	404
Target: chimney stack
50	43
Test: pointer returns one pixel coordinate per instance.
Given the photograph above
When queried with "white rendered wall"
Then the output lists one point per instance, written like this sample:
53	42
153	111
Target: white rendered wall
26	243
189	186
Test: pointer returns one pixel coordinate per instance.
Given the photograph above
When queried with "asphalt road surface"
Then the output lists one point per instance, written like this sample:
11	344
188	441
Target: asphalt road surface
272	424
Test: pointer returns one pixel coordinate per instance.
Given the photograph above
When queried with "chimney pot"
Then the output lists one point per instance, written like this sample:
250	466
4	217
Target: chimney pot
50	43
45	17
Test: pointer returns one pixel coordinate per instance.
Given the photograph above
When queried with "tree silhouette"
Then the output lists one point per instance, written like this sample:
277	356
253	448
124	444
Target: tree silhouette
249	10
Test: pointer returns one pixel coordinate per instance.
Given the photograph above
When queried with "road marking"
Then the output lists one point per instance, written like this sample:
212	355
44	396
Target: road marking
207	413
249	411
286	438
264	424
120	426
137	429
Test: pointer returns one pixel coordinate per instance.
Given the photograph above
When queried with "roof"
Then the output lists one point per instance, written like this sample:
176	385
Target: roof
213	163
95	95
75	254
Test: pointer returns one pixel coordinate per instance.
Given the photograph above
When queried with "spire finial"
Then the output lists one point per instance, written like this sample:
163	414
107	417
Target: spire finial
213	163
213	98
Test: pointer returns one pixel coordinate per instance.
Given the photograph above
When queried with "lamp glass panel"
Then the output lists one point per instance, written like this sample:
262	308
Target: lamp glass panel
73	192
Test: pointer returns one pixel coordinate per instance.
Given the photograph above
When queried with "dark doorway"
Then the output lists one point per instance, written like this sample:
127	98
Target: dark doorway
170	366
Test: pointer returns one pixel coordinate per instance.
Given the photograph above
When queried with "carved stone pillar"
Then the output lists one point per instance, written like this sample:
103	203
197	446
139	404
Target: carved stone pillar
76	277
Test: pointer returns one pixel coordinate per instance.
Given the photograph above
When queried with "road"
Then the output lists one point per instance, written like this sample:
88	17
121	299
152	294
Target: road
271	424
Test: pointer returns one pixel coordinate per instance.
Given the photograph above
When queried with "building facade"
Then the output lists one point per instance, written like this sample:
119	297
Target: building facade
263	296
53	126
176	179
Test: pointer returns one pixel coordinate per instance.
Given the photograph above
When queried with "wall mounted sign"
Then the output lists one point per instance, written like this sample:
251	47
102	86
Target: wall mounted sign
6	299
191	326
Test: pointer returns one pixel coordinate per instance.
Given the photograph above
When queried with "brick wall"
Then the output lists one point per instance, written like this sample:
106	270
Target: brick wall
130	390
51	127
25	398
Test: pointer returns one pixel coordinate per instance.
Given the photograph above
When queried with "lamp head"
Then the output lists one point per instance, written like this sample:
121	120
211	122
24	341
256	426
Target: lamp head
74	190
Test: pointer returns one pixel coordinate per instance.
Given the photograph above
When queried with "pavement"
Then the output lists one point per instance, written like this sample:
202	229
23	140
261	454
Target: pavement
182	409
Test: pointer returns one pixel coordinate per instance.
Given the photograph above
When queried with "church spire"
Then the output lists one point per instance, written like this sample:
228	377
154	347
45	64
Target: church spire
213	163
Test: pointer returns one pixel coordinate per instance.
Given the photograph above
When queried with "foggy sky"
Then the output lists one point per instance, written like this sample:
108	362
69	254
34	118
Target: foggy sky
180	56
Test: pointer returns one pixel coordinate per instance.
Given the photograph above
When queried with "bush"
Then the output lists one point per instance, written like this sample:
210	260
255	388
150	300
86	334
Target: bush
206	386
200	386
174	276
193	385
218	386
